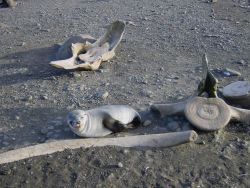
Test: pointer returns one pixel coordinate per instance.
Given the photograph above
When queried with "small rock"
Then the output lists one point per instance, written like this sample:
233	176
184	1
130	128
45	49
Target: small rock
51	127
5	171
76	75
102	95
17	117
130	23
201	142
111	176
124	40
186	126
44	131
44	97
241	62
229	72
22	44
5	143
120	165
146	93
125	151
28	98
174	126
147	123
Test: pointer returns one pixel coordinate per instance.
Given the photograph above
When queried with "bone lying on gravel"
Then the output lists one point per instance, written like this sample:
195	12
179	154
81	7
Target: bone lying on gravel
208	114
91	53
169	109
152	140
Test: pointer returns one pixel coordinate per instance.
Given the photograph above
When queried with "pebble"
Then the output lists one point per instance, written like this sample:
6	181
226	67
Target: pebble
229	72
120	165
51	127
201	142
125	151
22	44
44	97
241	62
103	70
102	95
173	126
147	123
130	23
146	93
75	75
5	171
44	131
28	98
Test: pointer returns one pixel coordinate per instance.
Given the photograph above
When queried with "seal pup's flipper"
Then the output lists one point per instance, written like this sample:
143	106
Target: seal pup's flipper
135	123
113	124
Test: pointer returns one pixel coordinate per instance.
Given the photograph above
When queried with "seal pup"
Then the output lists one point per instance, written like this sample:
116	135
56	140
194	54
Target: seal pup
103	120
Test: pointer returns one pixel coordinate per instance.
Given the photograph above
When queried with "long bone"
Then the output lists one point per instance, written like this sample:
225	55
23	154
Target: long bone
151	140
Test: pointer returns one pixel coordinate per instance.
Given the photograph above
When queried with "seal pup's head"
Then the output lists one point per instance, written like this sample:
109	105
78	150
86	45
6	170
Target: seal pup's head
77	120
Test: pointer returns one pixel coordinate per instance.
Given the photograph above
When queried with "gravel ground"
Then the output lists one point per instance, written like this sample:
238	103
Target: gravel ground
158	60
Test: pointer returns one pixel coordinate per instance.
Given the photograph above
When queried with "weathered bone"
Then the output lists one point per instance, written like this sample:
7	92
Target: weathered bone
208	84
170	109
206	114
238	93
65	51
152	140
92	54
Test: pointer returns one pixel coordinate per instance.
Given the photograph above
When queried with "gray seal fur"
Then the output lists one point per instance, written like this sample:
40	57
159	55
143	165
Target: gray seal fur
103	120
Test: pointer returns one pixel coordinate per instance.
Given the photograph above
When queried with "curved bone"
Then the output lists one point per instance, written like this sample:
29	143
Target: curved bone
153	140
65	51
71	63
91	54
113	35
208	114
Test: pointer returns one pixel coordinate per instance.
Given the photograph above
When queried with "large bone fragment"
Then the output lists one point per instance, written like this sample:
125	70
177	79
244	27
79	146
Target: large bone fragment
151	140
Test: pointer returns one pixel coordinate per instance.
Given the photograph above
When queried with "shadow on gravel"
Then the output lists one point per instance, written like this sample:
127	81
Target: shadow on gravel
30	126
39	125
29	65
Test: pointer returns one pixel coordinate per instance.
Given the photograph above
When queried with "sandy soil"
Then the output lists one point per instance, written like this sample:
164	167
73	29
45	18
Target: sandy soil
159	59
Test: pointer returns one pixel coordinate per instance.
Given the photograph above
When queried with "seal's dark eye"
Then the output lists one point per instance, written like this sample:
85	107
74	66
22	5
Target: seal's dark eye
71	122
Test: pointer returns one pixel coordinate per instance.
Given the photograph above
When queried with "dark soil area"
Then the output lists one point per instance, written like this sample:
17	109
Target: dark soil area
159	59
